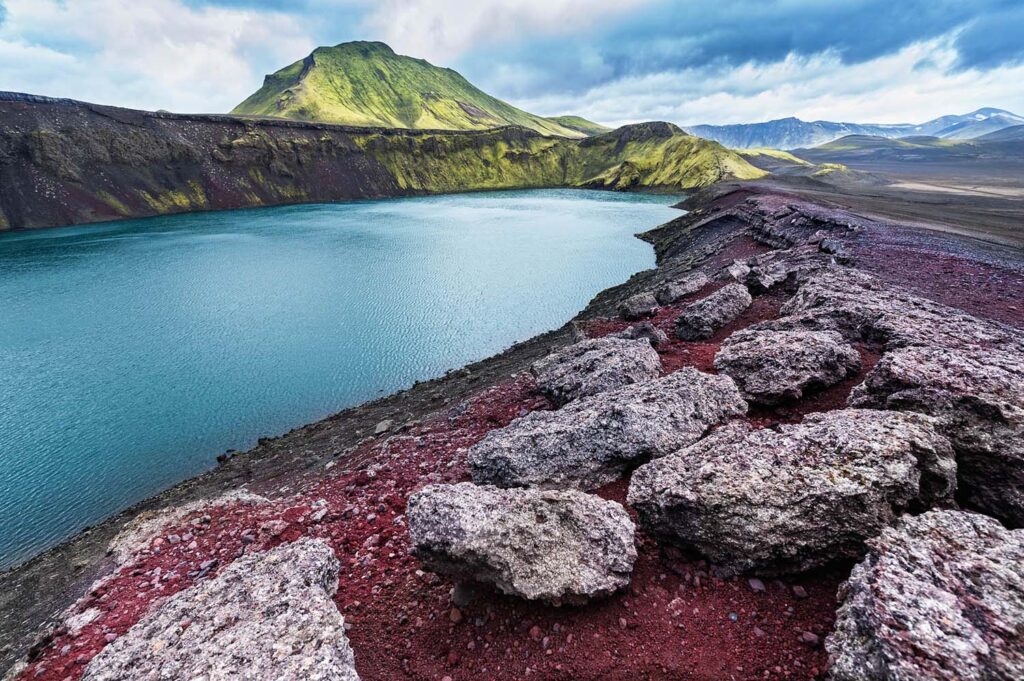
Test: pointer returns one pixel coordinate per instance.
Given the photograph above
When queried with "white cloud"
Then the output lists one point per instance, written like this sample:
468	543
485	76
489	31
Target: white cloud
912	85
440	30
152	54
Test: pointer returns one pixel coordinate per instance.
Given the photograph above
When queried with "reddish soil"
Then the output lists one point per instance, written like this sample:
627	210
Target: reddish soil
981	289
678	619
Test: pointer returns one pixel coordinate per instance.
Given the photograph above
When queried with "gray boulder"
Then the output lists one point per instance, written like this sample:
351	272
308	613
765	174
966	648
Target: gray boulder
788	500
939	597
655	336
555	546
594	440
595	366
266	616
977	396
772	366
673	291
861	307
703	318
639	306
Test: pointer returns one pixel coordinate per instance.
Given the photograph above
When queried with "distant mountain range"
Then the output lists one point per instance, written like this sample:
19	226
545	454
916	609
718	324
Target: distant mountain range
367	84
793	133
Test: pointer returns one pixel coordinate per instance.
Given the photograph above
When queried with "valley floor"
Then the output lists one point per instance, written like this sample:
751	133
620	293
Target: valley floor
404	623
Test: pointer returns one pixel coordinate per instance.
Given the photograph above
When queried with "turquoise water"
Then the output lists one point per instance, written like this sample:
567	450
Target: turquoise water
132	353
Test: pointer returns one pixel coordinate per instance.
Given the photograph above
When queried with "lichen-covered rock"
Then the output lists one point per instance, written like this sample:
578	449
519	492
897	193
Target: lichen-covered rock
592	441
772	366
861	307
673	291
639	306
939	597
595	366
977	397
266	616
788	500
706	316
655	336
554	546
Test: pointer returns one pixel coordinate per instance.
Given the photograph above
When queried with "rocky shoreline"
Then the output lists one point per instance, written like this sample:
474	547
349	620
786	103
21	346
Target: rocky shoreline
852	428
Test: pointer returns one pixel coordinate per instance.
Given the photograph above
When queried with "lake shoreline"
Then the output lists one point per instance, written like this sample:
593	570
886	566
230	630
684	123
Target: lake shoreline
722	227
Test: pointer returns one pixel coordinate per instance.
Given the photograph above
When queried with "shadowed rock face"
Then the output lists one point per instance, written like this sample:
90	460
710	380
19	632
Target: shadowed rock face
702	319
772	366
559	547
266	616
788	500
977	396
594	440
763	272
939	596
595	366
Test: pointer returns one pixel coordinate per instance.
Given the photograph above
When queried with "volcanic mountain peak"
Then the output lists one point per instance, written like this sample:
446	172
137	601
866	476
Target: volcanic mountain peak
368	84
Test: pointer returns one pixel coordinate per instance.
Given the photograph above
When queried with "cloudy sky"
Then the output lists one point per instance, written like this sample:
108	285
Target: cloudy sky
614	61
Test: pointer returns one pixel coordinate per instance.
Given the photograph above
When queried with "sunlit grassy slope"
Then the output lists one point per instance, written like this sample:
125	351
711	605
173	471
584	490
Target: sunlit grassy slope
648	156
580	124
367	84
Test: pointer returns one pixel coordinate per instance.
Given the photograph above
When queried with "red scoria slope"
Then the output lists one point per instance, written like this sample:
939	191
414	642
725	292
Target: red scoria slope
678	619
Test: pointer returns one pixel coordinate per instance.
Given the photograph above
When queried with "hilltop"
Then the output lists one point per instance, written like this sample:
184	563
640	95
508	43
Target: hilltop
368	84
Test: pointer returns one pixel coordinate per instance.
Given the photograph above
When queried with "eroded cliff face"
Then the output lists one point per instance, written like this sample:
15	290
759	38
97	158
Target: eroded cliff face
64	162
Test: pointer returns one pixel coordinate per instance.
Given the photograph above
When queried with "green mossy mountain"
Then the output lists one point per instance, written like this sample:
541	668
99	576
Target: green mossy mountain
366	84
105	163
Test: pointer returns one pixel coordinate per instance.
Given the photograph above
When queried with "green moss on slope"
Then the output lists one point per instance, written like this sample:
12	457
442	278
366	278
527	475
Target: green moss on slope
580	124
650	156
367	84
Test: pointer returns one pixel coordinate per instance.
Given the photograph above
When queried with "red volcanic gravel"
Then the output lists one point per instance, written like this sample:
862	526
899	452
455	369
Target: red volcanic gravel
678	619
979	288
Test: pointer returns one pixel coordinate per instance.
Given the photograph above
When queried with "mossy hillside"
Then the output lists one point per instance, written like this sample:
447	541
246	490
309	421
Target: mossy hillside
867	142
367	84
580	124
652	157
101	163
657	156
503	159
777	154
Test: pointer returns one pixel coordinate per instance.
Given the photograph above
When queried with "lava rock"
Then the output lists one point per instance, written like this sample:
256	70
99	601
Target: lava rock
763	272
861	307
703	318
773	366
677	289
639	306
595	366
554	546
592	441
655	336
939	596
788	500
977	397
266	616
